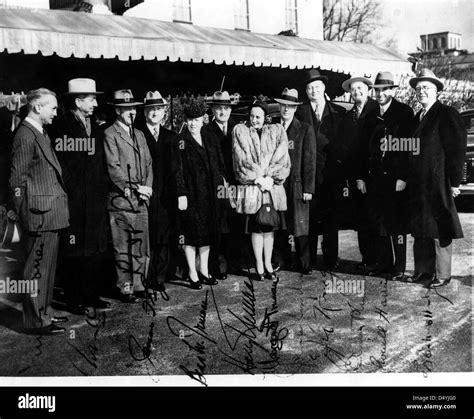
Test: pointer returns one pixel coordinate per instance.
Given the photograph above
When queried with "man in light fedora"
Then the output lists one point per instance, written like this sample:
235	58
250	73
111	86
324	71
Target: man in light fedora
79	144
324	117
163	245
300	185
227	255
356	130
435	175
129	165
387	176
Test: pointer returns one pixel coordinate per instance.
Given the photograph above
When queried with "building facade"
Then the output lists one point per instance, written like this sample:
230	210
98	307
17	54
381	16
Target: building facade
303	17
441	41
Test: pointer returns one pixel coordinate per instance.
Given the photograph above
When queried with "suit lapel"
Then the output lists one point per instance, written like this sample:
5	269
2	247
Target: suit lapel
430	115
124	135
46	147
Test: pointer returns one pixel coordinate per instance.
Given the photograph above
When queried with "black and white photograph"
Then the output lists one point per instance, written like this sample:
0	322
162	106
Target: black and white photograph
207	193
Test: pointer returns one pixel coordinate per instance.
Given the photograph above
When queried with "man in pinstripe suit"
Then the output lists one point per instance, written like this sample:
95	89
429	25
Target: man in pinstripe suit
40	203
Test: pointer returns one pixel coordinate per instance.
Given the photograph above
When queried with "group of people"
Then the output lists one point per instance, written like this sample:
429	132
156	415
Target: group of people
193	201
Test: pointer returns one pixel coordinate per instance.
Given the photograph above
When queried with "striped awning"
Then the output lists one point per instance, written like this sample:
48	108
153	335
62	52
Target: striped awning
85	35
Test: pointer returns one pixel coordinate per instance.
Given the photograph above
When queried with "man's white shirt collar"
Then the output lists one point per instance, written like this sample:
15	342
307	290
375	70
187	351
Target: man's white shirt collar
152	128
124	126
425	110
386	106
35	124
222	126
286	124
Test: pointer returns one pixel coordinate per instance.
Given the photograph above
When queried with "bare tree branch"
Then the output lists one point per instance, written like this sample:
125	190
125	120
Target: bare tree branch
350	20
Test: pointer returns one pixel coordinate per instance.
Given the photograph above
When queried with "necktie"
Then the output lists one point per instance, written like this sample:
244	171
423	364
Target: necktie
224	129
422	114
156	133
381	111
87	124
316	111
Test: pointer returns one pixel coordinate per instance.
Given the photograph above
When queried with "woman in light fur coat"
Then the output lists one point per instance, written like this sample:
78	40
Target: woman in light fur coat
261	164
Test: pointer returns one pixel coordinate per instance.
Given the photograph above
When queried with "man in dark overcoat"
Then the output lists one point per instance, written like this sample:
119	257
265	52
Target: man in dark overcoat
435	175
300	184
356	130
79	144
388	154
226	256
40	205
160	140
324	117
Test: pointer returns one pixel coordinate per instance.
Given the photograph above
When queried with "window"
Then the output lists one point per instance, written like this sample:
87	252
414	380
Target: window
291	13
241	14
182	10
459	43
435	43
443	42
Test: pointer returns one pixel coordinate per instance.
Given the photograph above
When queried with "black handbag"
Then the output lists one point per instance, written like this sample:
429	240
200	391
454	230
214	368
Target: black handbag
267	215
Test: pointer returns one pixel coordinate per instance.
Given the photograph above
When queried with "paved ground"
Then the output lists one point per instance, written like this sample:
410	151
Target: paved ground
320	323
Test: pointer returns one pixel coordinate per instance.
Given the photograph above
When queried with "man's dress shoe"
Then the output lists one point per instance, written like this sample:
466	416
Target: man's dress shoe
59	320
100	304
438	282
378	271
398	276
78	310
418	277
49	330
221	276
129	299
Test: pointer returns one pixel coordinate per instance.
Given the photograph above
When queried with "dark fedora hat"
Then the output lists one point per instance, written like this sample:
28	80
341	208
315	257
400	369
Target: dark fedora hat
312	75
384	79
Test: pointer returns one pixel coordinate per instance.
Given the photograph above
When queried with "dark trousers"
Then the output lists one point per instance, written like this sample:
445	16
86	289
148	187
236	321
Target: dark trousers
81	279
40	253
391	252
302	245
365	234
328	229
163	263
230	253
367	245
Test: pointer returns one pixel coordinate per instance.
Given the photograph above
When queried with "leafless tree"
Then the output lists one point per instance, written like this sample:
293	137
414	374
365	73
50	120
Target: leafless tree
350	20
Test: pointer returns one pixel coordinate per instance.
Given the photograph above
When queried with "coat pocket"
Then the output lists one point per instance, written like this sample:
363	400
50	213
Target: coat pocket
297	190
40	204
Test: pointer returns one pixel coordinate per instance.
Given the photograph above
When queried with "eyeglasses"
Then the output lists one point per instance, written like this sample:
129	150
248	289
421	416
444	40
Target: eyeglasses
423	88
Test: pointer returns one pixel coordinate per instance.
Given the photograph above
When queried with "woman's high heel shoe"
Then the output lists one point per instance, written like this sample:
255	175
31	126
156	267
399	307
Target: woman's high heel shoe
258	277
270	275
195	285
208	280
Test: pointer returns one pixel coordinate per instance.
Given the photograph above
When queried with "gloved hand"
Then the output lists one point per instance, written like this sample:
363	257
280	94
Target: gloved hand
182	203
